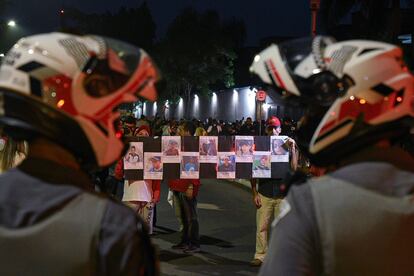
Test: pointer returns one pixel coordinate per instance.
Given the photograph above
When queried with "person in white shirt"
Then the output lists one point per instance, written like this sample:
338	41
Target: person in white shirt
142	195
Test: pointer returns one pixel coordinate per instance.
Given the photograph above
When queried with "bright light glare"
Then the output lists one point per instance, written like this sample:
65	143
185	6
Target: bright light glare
11	23
196	106
214	101
256	58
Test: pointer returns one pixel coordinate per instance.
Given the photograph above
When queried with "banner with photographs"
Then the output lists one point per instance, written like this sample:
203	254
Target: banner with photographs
171	148
226	166
190	166
146	155
134	158
279	148
153	166
208	149
244	149
261	164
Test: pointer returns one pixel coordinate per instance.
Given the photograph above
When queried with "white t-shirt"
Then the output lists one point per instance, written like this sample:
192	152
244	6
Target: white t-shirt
139	190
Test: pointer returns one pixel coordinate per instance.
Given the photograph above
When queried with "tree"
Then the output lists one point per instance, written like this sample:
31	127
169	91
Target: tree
7	36
369	19
134	25
197	54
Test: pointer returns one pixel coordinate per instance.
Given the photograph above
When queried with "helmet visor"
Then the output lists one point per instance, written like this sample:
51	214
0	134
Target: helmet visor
317	84
111	68
295	51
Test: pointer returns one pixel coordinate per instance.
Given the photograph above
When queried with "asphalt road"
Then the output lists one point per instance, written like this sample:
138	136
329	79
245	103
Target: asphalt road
227	230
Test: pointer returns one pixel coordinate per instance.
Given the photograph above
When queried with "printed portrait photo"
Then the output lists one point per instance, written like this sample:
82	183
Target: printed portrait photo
261	162
227	163
278	146
133	160
208	146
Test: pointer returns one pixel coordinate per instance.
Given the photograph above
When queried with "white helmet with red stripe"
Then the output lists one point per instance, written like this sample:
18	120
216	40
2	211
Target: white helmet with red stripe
357	92
67	88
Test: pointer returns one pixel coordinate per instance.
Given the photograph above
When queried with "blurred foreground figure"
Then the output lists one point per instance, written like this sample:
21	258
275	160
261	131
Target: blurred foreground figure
59	92
359	218
12	153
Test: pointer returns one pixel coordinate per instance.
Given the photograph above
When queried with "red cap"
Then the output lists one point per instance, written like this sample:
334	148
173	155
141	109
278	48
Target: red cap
273	121
142	128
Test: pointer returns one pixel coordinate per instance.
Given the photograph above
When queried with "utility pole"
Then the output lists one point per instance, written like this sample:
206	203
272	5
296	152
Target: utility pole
314	6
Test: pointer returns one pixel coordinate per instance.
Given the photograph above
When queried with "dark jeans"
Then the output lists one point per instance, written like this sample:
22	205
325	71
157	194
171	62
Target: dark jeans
188	209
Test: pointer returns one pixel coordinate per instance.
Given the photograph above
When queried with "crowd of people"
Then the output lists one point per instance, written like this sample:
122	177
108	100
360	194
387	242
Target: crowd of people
210	126
184	192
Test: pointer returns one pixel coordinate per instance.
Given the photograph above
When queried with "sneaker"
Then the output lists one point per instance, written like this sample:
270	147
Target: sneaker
181	245
256	262
192	249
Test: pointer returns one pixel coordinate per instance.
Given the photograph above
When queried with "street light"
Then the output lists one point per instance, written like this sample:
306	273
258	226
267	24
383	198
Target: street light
11	23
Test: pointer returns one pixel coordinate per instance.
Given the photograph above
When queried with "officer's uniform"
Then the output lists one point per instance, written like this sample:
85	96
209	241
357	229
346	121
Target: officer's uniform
358	220
49	225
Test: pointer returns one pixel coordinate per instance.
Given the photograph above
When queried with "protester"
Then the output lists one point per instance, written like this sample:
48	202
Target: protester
142	195
52	222
200	131
185	196
214	129
358	219
269	194
248	128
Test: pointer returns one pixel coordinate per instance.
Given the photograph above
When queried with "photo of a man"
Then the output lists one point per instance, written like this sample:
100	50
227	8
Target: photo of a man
190	163
208	147
226	168
263	163
132	157
172	148
153	166
278	147
227	164
156	165
244	149
133	160
190	166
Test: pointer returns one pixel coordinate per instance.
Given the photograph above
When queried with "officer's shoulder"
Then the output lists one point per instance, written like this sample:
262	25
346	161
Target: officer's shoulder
120	215
300	194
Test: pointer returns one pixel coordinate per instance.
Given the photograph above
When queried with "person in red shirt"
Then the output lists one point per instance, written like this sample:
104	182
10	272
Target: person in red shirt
185	195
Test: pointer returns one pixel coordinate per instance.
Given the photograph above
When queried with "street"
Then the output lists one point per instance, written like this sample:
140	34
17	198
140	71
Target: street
227	231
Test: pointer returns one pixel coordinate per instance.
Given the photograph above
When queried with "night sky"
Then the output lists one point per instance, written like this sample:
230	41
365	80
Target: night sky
262	17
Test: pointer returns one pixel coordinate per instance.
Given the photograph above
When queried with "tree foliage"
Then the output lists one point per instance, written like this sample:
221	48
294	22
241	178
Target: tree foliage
198	53
134	25
371	19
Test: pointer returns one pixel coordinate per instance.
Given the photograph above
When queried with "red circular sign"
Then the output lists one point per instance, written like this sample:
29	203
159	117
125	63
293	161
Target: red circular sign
261	96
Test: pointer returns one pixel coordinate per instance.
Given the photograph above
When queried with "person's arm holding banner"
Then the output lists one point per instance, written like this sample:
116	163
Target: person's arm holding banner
256	198
156	190
293	152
